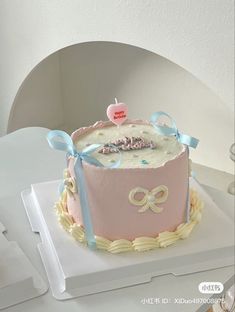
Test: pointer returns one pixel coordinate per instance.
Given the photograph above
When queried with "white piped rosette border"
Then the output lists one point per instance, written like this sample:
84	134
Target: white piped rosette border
143	243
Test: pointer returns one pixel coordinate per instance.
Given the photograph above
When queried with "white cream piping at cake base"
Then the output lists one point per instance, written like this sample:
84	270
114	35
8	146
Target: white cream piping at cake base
163	239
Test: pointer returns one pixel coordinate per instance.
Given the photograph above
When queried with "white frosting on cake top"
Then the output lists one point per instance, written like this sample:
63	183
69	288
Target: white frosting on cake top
167	148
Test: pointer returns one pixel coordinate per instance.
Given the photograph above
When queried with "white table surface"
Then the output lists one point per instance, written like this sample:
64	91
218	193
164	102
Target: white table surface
26	158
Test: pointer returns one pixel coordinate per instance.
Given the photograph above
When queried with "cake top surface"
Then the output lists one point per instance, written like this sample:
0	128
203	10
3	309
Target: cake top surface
139	144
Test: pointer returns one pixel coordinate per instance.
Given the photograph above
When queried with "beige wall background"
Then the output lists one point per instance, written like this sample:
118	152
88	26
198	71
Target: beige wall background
72	87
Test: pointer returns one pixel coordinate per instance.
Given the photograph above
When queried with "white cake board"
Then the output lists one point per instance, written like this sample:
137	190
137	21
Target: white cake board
74	270
19	281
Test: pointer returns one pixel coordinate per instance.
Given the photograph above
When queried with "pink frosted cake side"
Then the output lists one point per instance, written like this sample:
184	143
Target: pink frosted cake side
114	217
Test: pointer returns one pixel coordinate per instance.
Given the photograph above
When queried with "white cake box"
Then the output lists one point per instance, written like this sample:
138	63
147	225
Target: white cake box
74	270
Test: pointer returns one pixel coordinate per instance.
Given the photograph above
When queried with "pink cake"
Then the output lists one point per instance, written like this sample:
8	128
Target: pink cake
142	204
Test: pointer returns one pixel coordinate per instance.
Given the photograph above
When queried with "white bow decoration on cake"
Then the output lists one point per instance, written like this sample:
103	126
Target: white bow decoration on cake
158	195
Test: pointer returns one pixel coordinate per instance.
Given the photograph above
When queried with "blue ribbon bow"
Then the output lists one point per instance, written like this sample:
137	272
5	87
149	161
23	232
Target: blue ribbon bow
173	130
66	144
182	138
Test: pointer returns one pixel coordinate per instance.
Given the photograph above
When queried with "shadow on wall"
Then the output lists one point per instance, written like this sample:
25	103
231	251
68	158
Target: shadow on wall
72	88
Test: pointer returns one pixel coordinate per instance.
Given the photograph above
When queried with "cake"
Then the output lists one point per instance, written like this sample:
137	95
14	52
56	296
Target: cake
126	187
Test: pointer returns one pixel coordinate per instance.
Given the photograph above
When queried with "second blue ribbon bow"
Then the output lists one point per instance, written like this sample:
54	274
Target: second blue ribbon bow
182	138
173	130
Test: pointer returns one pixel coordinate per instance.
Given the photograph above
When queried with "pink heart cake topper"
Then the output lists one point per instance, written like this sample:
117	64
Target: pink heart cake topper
117	113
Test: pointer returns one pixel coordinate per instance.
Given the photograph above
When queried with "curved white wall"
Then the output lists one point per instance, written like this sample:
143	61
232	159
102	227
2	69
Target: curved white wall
198	35
73	87
38	102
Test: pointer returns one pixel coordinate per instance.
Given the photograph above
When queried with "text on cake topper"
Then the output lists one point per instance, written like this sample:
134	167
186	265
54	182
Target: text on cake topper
117	113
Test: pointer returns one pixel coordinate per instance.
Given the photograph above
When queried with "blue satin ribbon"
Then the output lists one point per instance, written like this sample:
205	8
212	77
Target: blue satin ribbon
173	130
182	138
65	143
